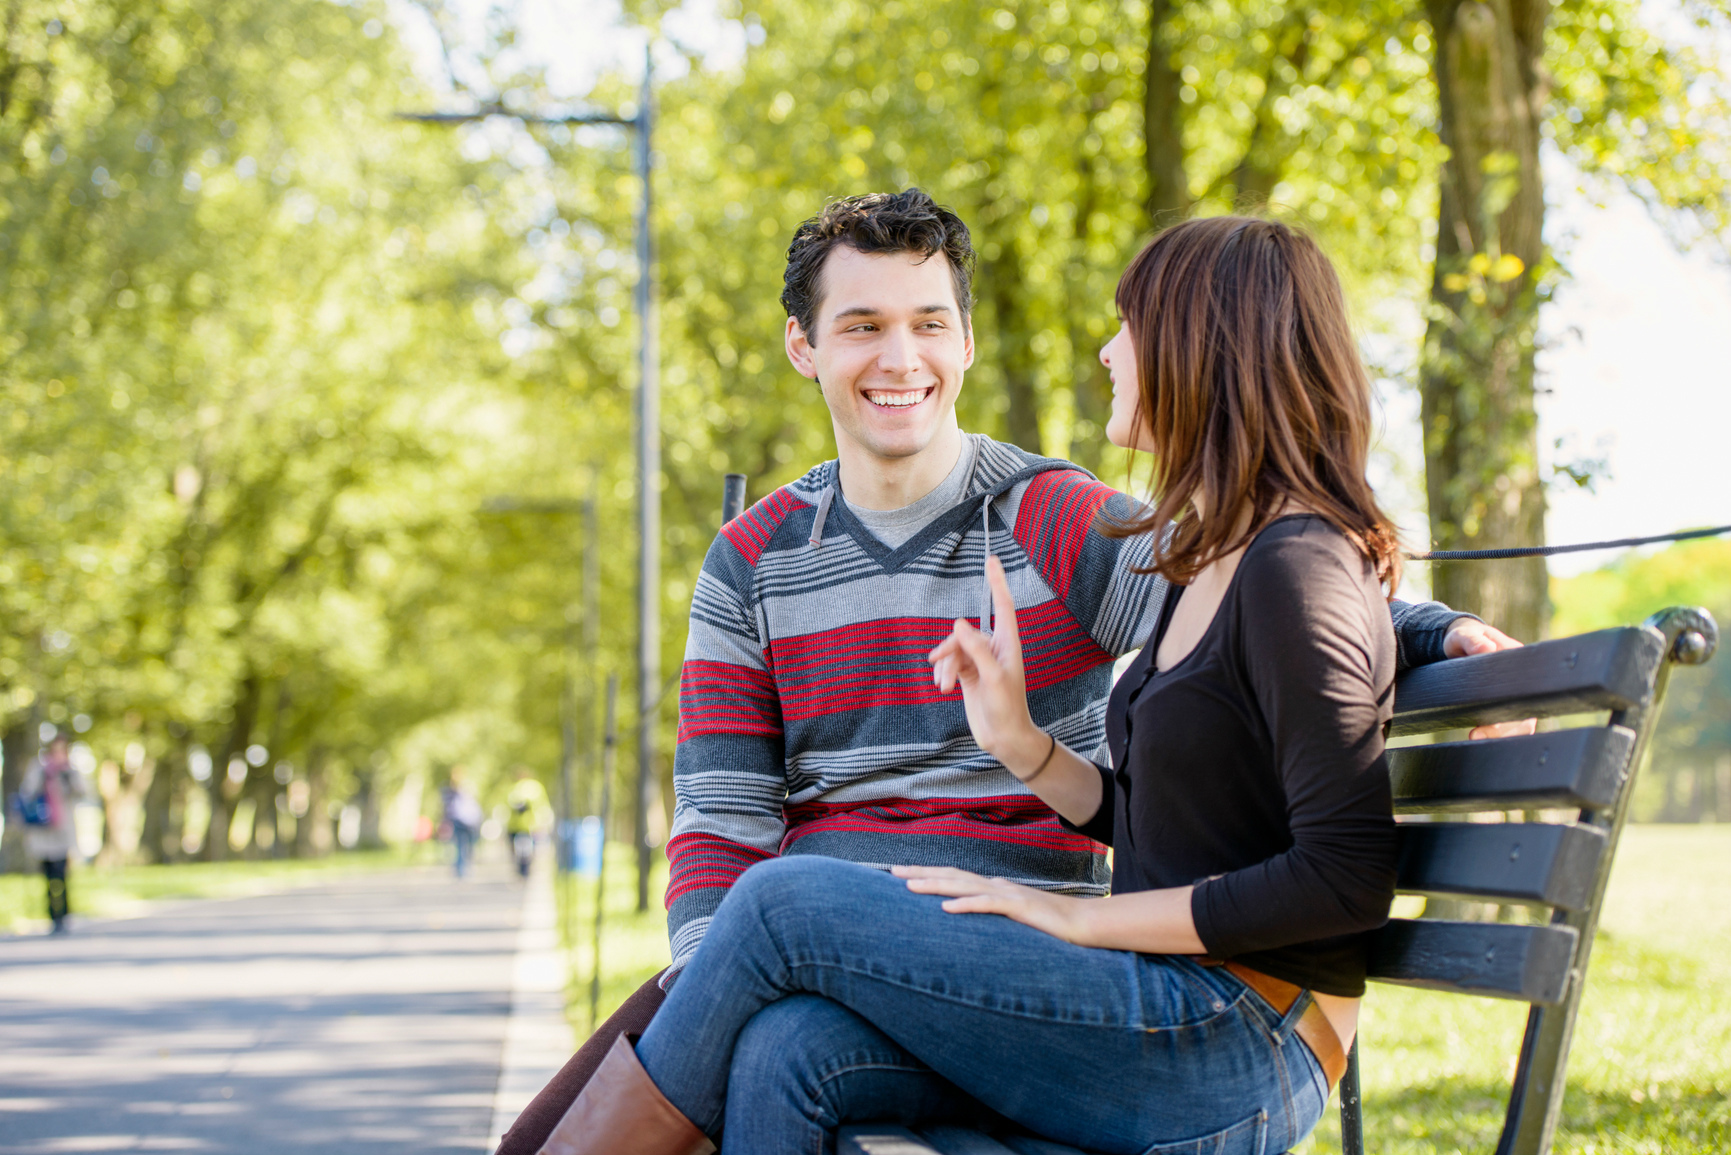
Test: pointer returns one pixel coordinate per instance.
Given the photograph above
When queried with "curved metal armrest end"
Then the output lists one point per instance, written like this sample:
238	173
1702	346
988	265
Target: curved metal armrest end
1691	634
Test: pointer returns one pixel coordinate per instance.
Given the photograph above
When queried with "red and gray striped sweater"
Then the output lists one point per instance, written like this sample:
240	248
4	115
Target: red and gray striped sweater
808	722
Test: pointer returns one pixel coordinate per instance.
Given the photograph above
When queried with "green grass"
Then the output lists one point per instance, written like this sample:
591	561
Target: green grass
1650	1068
108	892
633	945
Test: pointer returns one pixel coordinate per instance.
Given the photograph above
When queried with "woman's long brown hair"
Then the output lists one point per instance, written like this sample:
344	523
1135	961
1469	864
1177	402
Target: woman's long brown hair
1254	390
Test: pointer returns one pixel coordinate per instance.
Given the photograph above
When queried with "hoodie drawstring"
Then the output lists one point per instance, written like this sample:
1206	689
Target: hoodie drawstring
828	498
985	568
823	504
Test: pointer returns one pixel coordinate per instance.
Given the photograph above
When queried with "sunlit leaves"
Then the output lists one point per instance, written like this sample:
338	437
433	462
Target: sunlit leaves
1650	113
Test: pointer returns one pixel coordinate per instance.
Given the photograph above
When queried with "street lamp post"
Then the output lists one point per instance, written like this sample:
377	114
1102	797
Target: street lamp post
648	435
648	497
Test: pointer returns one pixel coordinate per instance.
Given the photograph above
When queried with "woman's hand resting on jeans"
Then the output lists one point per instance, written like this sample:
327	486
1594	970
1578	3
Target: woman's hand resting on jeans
1059	915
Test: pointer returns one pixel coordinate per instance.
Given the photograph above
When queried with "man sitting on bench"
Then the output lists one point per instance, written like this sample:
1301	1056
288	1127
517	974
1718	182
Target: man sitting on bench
809	722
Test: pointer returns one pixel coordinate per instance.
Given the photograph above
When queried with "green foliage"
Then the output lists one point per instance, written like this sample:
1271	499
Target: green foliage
254	395
267	352
1690	573
1648	114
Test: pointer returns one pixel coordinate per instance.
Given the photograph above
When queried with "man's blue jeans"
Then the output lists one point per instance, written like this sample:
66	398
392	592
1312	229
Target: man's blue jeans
928	1016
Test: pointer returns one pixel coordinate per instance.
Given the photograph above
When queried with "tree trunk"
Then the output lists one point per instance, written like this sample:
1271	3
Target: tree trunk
313	828
264	789
123	788
1090	388
222	793
160	840
17	746
1163	123
1476	372
1004	278
367	798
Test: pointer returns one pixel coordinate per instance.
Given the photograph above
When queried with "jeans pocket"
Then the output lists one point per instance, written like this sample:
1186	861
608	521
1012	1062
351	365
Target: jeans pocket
1246	1138
1176	993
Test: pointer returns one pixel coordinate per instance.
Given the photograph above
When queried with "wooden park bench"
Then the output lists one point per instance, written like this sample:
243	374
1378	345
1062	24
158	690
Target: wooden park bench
1574	784
1610	685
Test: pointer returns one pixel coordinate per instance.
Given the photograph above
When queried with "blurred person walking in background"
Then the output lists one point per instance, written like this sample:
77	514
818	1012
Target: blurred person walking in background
47	798
530	814
462	818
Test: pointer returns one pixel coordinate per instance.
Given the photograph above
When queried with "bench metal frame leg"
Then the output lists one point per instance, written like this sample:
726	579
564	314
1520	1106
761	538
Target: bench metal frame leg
1351	1113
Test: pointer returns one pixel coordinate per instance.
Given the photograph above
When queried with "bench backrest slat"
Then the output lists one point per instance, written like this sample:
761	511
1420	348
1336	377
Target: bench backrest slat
1505	861
1607	670
1501	960
1581	768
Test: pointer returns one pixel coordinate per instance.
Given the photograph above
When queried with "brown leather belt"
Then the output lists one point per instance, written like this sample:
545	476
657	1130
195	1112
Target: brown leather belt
1313	1026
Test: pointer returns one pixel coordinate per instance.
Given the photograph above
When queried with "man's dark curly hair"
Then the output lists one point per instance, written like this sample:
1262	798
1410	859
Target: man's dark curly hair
904	222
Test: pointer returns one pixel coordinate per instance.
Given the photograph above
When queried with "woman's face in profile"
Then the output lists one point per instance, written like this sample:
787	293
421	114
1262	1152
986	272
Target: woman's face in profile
1128	427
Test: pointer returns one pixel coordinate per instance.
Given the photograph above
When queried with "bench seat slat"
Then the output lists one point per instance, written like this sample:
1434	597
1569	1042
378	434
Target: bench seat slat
1498	960
1606	670
881	1139
1512	861
885	1139
1564	768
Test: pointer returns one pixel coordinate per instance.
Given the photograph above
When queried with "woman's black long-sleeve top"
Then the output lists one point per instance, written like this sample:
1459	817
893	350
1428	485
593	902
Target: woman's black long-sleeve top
1253	769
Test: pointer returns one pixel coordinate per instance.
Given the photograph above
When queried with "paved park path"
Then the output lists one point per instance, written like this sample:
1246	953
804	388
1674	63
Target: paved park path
367	1016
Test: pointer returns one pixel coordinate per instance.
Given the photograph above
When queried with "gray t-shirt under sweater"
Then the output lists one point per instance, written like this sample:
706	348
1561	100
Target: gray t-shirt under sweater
895	526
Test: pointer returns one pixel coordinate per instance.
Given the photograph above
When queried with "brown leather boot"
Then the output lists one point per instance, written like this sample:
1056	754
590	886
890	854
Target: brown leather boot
622	1112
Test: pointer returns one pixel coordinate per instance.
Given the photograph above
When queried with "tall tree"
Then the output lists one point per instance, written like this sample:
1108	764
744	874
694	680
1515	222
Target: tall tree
1163	120
1481	448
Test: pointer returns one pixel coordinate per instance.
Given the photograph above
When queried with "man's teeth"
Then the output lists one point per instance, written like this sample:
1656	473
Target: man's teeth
896	400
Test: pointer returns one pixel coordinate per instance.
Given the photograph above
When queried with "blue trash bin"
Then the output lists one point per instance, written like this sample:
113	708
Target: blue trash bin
589	847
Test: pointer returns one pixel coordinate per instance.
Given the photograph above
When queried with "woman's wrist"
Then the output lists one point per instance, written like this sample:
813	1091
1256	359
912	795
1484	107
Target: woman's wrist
1028	753
1081	928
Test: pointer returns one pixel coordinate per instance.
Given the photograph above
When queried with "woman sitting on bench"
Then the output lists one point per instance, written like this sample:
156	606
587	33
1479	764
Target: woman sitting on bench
1207	1005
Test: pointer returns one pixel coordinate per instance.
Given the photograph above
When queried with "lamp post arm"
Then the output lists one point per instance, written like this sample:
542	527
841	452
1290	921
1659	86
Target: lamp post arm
489	110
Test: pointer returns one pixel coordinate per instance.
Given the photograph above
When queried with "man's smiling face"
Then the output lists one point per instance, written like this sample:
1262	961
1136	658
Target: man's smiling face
890	348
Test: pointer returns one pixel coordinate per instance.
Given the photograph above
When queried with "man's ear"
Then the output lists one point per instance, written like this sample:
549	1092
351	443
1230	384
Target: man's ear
967	342
799	349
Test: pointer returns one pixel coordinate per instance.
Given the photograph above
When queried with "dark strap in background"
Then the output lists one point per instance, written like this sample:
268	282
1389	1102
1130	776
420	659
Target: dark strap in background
1550	550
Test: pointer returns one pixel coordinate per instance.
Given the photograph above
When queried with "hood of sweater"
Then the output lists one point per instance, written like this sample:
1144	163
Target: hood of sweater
998	468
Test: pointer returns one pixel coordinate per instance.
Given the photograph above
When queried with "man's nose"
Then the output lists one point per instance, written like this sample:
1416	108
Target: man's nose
898	354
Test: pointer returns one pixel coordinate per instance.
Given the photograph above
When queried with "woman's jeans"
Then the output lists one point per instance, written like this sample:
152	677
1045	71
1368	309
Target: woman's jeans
926	1016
